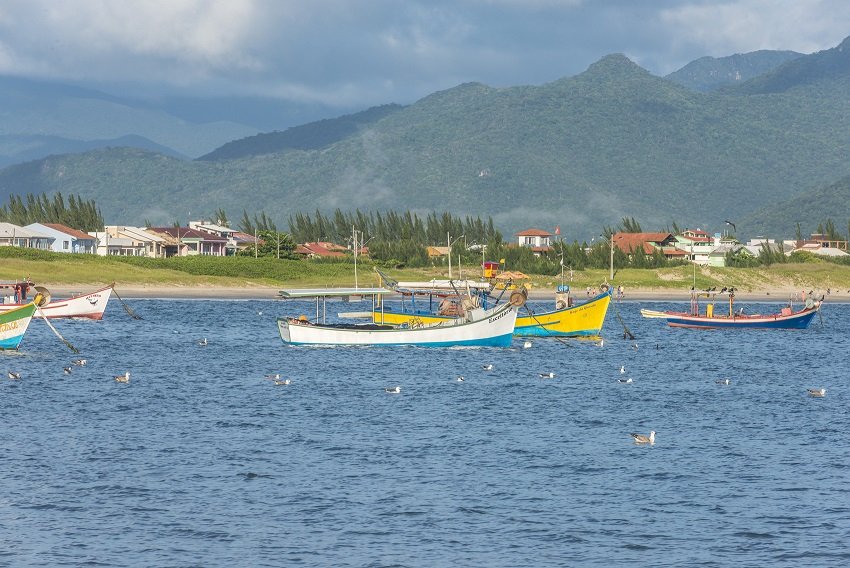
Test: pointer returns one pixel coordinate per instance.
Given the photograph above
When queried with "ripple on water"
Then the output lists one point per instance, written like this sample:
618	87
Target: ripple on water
202	461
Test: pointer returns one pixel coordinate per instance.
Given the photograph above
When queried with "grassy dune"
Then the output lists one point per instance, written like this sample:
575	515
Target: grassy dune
65	270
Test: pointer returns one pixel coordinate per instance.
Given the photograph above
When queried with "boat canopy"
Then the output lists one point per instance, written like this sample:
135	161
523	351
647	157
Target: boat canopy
332	292
444	285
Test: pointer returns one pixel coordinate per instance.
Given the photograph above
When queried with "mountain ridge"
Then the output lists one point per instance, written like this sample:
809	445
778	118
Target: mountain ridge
580	152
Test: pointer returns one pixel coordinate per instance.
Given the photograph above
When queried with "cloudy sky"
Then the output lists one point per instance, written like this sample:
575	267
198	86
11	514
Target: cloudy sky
357	53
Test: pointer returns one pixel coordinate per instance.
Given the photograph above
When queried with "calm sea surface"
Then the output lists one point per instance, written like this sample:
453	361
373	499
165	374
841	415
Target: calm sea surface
200	461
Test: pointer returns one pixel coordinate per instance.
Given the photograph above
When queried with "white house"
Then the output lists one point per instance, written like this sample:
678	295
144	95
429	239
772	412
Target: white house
15	236
66	239
151	244
117	246
537	240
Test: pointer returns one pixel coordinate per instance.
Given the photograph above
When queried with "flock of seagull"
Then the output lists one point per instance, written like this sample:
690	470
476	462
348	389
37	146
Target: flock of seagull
639	439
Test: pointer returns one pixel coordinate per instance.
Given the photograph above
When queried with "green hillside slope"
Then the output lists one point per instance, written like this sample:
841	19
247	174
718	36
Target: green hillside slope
710	73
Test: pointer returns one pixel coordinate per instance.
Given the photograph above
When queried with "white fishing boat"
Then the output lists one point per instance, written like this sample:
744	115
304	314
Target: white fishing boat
493	328
91	305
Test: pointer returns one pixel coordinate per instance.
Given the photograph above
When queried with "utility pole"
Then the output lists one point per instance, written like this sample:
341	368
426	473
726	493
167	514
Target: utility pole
449	244
354	244
611	277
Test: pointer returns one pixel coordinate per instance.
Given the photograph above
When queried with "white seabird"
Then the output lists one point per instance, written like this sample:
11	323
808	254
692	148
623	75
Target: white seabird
393	390
820	393
282	381
203	342
460	378
125	378
549	375
14	376
79	362
641	439
622	369
487	367
526	345
723	382
273	376
66	370
625	381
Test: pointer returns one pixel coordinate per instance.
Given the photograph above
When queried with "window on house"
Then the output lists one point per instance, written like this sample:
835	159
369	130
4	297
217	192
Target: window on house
66	245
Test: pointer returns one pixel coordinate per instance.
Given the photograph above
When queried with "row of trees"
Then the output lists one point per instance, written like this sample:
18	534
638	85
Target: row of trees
391	226
76	213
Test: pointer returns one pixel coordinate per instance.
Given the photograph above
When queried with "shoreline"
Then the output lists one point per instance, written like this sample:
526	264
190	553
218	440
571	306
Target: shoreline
271	293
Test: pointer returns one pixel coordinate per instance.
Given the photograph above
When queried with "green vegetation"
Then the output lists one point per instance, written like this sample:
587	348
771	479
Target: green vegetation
312	136
77	214
56	269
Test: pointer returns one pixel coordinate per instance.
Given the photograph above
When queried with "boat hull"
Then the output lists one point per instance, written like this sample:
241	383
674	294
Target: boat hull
88	306
14	324
494	330
583	320
798	320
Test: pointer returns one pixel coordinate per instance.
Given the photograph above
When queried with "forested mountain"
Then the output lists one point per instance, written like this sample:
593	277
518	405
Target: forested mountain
581	152
312	136
821	72
710	73
779	218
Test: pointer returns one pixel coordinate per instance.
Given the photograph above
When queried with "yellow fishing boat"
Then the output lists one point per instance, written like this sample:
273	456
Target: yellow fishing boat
566	320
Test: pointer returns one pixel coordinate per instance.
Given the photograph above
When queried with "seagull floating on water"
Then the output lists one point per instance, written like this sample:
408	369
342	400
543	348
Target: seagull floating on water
79	362
202	342
14	376
526	345
393	390
460	378
641	439
622	369
601	343
125	378
625	381
549	375
67	370
820	393
273	377
487	367
282	381
723	382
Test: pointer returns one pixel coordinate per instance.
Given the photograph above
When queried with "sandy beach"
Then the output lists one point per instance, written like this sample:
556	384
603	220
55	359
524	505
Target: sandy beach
269	293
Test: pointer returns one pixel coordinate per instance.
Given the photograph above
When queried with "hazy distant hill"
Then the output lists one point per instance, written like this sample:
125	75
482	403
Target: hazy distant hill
581	152
710	73
15	149
312	136
31	108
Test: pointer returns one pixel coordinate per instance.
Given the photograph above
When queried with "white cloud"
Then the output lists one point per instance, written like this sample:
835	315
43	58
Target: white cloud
90	37
736	26
369	52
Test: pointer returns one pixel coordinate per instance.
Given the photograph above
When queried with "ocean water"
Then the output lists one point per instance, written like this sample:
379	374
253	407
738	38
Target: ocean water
201	461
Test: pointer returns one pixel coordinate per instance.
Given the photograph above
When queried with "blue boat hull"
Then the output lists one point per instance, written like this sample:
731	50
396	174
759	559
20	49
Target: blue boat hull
800	320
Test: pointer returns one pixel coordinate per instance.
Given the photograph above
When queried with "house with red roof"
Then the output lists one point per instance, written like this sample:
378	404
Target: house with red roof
320	250
183	241
537	240
649	243
66	239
